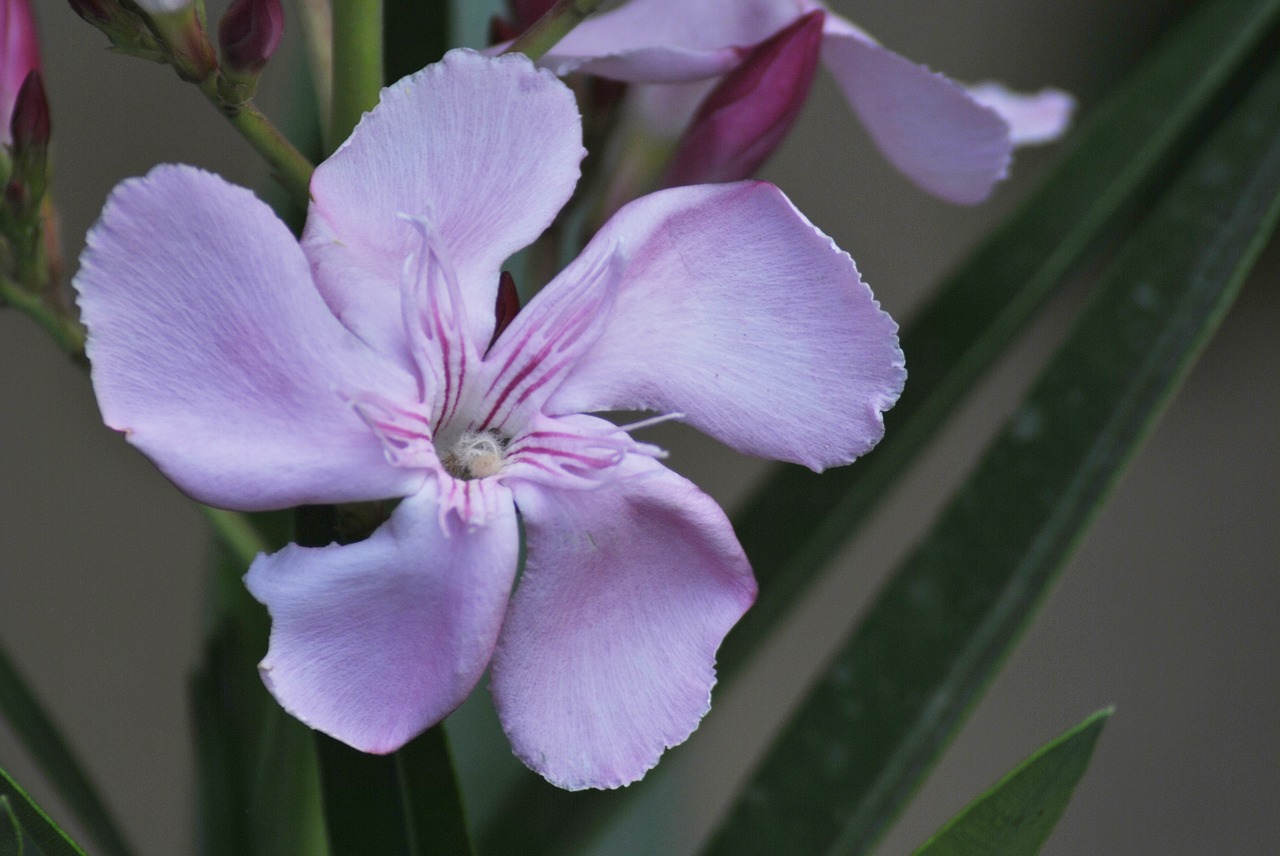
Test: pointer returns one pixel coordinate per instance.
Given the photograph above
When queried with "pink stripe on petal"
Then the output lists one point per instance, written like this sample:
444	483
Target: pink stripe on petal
607	655
487	149
374	642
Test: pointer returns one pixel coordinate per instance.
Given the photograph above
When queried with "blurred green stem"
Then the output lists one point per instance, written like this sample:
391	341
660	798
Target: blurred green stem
357	64
290	166
548	30
67	332
316	19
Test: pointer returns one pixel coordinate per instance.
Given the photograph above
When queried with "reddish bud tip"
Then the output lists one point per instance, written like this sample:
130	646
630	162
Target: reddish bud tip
249	34
94	11
742	121
525	13
19	54
507	306
30	127
501	30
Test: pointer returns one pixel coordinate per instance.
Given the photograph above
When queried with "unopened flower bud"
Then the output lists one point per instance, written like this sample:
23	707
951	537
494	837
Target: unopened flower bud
525	13
178	25
29	126
744	118
125	28
19	55
248	34
30	130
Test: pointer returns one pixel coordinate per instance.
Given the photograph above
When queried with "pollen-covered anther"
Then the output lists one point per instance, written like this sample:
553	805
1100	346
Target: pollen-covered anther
476	455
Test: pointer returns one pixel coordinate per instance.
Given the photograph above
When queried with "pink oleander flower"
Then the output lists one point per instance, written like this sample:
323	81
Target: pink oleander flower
367	362
953	142
19	56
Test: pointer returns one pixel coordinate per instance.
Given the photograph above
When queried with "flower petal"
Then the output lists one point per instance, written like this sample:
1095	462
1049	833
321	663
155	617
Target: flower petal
927	125
668	41
1035	118
733	309
374	642
486	150
607	655
213	352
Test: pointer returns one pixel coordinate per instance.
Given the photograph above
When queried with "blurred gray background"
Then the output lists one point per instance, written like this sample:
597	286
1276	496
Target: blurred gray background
1167	611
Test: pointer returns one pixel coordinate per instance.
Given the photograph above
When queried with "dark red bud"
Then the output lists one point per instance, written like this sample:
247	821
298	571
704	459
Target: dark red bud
30	127
249	34
525	13
507	306
501	30
94	11
743	120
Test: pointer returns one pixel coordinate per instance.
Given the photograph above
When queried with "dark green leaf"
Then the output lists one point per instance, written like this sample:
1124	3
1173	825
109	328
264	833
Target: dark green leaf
258	781
847	762
798	520
415	33
11	843
41	737
405	804
40	835
1015	817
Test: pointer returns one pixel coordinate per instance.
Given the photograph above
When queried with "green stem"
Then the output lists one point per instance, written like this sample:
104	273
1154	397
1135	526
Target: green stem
237	533
548	30
67	332
357	63
316	19
290	166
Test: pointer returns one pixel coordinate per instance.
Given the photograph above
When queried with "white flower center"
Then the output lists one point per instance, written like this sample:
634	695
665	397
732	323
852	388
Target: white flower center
476	455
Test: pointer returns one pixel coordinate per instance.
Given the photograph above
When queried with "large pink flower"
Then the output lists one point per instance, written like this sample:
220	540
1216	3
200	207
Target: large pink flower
955	142
259	373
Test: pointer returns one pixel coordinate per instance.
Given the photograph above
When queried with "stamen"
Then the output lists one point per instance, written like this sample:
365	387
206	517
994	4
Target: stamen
652	420
476	455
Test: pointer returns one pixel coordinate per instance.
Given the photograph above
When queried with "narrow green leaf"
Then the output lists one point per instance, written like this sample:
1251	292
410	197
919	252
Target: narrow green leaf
11	843
416	33
797	520
35	828
404	804
41	737
258	786
432	797
1015	817
858	747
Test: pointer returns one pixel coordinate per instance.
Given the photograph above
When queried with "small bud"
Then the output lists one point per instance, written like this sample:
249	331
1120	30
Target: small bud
501	30
19	55
127	31
525	13
248	34
742	121
506	307
29	126
30	129
177	24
